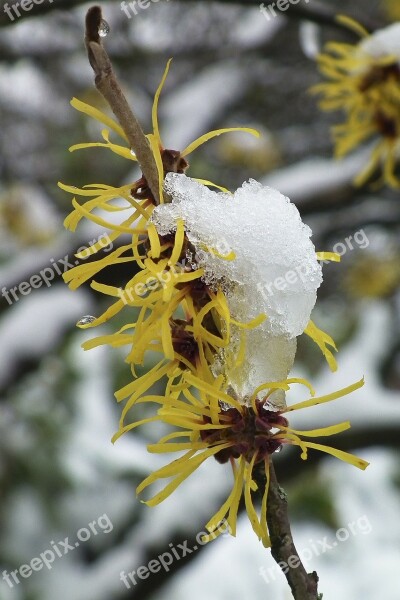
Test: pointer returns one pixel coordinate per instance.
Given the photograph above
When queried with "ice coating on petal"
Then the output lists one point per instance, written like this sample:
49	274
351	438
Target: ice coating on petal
383	42
275	270
267	359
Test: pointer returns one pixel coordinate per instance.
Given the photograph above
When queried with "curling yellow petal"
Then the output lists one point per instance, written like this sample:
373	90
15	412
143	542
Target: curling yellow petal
154	112
231	504
322	432
117	435
145	384
176	447
154	241
211	391
302	381
187	469
110	340
322	340
230	256
133	386
155	147
85	192
327	398
332	256
252	324
238	490
283	385
251	511
103	222
174	435
212	134
119	150
263	520
345	456
178	244
99	116
166	338
210	183
353	25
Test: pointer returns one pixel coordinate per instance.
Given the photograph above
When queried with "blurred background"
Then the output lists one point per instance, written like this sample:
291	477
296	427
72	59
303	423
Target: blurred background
59	471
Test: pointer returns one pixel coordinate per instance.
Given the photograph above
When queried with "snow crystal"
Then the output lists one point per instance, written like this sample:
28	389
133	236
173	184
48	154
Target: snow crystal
275	270
383	42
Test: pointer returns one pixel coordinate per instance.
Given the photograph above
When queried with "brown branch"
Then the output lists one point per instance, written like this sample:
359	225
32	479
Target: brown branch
107	84
304	585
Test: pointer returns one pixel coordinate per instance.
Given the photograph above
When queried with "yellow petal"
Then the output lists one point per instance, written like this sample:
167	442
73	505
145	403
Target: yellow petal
154	112
345	456
353	25
252	324
154	241
187	469
231	504
327	398
155	147
212	134
263	521
210	183
251	511
332	256
178	244
323	431
99	116
117	435
322	340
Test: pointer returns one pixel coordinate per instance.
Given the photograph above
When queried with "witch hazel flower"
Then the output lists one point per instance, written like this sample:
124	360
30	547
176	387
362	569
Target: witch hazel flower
364	82
197	264
216	424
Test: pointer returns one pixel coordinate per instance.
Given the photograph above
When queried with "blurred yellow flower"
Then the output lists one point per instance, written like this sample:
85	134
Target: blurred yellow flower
364	82
392	9
373	277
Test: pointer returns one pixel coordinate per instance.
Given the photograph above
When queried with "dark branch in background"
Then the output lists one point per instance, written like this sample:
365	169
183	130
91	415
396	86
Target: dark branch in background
38	10
107	84
318	13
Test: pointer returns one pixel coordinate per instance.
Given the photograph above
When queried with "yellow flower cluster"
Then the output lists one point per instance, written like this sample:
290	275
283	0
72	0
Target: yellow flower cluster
392	9
365	84
186	322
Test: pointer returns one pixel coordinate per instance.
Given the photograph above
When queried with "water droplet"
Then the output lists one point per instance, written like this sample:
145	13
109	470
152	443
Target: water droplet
279	449
133	153
86	320
104	28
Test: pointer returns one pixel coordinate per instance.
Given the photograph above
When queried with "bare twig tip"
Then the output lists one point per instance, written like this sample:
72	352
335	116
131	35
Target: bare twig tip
93	21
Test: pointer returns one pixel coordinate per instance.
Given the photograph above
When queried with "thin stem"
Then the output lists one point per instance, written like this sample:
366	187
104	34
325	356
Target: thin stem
107	84
304	585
